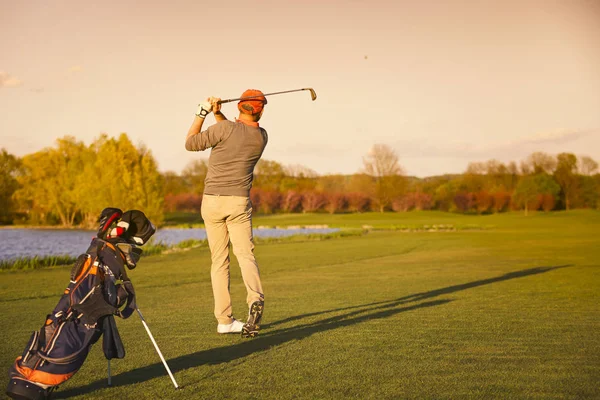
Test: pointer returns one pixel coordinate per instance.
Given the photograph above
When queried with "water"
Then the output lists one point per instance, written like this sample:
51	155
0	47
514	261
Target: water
16	243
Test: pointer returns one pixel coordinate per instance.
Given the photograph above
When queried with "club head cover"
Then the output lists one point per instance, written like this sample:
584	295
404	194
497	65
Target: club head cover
108	218
139	229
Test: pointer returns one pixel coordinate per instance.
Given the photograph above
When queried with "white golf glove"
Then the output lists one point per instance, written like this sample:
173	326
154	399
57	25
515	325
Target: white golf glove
204	109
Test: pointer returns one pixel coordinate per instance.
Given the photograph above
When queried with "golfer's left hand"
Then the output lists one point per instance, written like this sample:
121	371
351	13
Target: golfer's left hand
204	109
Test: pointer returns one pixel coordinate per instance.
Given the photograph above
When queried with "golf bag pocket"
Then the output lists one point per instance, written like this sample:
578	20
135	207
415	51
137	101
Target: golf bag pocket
49	360
29	357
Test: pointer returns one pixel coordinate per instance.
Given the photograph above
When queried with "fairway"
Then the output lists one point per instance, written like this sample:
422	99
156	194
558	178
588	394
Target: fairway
506	306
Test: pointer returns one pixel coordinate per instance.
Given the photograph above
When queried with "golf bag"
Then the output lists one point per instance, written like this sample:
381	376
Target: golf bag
99	289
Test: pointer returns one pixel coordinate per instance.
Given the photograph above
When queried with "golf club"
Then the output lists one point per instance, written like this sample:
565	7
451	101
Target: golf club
313	95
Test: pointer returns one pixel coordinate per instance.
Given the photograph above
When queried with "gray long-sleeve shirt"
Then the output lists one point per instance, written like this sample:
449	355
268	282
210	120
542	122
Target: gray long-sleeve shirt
236	148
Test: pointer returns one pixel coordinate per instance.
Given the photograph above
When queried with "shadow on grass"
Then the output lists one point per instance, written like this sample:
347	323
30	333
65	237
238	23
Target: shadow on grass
432	293
351	316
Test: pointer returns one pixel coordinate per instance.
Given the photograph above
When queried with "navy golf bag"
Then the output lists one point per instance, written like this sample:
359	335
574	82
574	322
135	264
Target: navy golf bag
99	289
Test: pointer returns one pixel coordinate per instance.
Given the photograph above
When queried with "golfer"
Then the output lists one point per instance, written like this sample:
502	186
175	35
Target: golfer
226	207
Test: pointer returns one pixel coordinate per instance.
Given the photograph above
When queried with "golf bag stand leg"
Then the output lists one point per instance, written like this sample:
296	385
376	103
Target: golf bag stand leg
156	347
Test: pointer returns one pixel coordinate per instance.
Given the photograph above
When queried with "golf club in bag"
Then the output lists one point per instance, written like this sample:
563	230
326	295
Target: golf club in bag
99	289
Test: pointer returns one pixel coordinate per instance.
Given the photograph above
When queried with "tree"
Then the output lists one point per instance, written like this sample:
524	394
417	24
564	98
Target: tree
149	191
497	174
298	178
525	193
9	170
194	175
565	175
512	177
541	163
587	165
530	187
330	183
474	179
174	183
119	174
268	175
444	196
299	171
382	164
50	181
589	191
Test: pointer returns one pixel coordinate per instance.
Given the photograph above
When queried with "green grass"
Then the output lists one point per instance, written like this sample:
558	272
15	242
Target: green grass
509	311
36	262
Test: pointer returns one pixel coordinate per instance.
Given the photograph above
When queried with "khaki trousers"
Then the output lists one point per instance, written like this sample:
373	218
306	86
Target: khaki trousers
229	218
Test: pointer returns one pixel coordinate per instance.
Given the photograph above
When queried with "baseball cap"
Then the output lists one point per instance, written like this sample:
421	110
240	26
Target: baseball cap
252	106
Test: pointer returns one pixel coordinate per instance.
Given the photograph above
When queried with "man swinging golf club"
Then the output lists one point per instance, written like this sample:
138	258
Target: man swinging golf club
226	207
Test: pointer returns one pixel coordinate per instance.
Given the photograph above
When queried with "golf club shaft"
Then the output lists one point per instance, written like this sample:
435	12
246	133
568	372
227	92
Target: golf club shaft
109	379
312	93
156	347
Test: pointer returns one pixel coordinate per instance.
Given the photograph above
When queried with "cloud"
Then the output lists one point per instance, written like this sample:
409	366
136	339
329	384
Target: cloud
76	68
538	142
6	80
553	137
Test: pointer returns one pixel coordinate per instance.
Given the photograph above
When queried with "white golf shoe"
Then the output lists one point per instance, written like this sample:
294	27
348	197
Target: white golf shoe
234	327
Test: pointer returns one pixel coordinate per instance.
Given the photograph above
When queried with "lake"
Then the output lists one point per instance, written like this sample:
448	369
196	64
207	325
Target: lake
16	243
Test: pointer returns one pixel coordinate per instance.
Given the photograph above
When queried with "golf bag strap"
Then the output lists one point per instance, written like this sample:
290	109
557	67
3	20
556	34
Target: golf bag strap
130	306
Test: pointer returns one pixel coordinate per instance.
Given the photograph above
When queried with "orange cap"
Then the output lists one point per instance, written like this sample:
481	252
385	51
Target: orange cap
252	106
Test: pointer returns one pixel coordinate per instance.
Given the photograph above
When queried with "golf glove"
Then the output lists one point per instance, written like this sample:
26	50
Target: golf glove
204	109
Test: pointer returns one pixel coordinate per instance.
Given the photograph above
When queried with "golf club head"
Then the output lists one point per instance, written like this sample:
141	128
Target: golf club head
313	94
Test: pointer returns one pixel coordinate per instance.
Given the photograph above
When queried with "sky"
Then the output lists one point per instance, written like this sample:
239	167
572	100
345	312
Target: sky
443	83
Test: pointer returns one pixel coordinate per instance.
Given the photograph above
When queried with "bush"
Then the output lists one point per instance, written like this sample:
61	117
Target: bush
358	202
501	201
547	202
313	201
464	202
265	201
410	201
188	202
291	202
336	202
483	202
270	201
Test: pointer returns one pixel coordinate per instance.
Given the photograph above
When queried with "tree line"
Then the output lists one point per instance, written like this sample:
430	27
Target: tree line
70	183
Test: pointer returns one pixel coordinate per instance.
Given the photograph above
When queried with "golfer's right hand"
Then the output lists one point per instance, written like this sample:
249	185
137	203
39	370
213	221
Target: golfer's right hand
204	109
216	106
